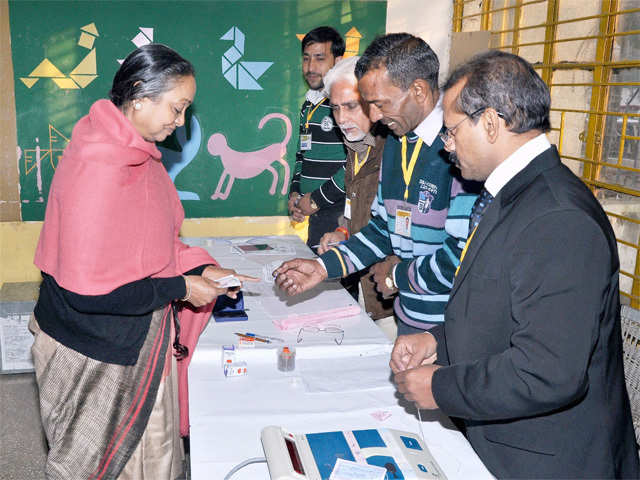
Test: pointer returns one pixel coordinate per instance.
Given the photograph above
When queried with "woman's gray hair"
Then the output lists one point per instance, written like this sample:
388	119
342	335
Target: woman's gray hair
148	71
342	70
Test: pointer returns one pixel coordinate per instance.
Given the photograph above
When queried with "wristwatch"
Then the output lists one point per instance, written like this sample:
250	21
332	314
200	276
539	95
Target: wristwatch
388	281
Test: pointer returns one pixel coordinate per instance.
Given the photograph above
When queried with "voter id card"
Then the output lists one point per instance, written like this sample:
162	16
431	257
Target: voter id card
305	141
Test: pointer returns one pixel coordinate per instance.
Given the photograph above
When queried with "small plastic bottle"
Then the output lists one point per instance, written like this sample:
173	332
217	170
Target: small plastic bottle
286	359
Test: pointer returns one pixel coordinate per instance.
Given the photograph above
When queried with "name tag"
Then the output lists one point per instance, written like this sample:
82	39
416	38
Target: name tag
347	208
403	222
305	141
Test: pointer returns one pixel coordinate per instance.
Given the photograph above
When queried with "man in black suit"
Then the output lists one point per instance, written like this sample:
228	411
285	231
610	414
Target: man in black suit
530	353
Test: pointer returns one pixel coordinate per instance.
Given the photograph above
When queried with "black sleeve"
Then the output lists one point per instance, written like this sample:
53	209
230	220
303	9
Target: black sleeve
135	298
197	270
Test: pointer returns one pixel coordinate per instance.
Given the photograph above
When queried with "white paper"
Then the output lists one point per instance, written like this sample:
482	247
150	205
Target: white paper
228	281
15	342
348	470
356	373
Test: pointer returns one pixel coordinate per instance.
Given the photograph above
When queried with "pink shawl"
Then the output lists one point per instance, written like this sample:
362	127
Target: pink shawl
113	216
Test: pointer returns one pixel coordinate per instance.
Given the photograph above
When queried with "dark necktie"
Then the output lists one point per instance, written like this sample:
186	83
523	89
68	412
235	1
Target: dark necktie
479	207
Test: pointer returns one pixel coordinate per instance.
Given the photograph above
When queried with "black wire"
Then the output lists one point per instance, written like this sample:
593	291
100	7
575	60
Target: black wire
180	351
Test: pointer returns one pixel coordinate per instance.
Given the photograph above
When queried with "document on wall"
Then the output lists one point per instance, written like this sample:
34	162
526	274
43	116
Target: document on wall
15	343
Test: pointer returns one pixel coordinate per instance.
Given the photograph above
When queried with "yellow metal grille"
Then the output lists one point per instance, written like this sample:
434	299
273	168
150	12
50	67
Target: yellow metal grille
588	52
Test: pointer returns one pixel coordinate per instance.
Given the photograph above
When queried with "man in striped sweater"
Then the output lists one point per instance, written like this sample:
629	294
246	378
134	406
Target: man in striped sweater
317	185
422	208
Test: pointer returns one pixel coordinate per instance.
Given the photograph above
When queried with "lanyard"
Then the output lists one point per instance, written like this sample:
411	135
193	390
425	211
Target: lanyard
359	165
407	171
310	114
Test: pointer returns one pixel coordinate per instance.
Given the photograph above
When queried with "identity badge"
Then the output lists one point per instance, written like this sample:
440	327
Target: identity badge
403	222
347	208
305	141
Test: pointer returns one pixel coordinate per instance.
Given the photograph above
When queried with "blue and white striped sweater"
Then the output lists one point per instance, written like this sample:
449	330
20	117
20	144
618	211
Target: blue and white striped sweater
439	230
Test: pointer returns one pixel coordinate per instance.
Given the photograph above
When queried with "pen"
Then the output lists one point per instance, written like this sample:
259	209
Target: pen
252	337
264	337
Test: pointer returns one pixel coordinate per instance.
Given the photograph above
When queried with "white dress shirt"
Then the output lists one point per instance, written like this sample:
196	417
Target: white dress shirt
515	163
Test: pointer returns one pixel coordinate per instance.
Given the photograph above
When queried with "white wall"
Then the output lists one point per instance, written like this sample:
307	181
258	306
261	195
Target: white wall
430	20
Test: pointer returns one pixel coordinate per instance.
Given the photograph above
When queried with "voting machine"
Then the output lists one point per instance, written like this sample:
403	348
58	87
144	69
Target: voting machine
312	456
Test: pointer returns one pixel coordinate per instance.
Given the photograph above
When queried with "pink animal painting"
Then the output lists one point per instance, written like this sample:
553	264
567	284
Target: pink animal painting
251	164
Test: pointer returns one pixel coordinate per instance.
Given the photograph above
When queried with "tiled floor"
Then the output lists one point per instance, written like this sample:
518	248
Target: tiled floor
22	442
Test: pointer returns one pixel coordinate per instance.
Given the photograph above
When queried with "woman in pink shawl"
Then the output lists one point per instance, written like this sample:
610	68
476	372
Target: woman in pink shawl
120	292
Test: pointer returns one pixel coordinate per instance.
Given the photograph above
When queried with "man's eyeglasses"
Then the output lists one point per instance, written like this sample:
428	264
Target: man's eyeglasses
449	133
334	330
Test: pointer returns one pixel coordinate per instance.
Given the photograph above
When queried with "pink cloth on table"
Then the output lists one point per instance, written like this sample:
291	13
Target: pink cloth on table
113	217
300	320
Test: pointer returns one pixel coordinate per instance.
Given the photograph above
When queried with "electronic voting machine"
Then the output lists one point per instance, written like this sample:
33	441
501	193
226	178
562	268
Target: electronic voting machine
312	456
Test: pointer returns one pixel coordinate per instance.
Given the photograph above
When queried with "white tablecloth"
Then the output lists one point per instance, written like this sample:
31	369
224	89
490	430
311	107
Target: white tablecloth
333	387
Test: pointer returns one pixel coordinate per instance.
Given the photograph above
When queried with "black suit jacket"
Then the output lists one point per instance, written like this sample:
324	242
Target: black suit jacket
532	334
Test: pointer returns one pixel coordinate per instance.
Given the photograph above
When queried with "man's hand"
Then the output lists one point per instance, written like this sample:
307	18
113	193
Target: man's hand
212	273
295	213
411	351
381	271
305	205
330	237
415	385
299	275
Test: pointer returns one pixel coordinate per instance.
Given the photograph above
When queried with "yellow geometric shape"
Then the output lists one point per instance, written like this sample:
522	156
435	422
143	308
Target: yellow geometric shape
83	80
52	137
46	69
86	40
29	81
91	28
300	36
353	33
352	44
87	65
66	83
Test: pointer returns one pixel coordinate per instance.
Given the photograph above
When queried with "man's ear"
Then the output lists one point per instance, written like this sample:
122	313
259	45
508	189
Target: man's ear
337	59
420	89
491	123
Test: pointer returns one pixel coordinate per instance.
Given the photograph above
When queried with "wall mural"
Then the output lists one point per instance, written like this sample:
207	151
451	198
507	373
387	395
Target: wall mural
235	154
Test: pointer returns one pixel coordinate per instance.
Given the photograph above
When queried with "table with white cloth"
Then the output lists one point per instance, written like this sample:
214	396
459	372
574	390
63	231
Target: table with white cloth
333	387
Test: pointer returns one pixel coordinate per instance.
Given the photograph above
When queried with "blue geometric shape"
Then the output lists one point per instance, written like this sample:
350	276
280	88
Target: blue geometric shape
175	162
231	76
225	64
239	40
246	81
228	35
233	55
243	76
256	69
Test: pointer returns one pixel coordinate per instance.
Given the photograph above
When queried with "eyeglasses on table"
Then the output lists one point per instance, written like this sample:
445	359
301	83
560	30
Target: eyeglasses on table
334	330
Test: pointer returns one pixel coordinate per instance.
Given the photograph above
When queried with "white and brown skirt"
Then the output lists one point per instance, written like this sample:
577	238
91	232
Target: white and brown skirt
107	421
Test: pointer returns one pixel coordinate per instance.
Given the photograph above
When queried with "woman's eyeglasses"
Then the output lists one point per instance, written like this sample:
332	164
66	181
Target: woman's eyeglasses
334	330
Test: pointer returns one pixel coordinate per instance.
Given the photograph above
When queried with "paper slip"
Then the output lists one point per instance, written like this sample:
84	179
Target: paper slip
228	281
347	470
267	271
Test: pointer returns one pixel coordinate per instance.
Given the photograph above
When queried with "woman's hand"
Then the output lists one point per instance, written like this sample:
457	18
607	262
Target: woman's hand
330	237
201	291
213	273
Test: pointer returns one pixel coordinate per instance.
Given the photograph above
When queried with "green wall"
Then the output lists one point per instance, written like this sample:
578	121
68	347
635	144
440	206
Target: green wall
46	113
